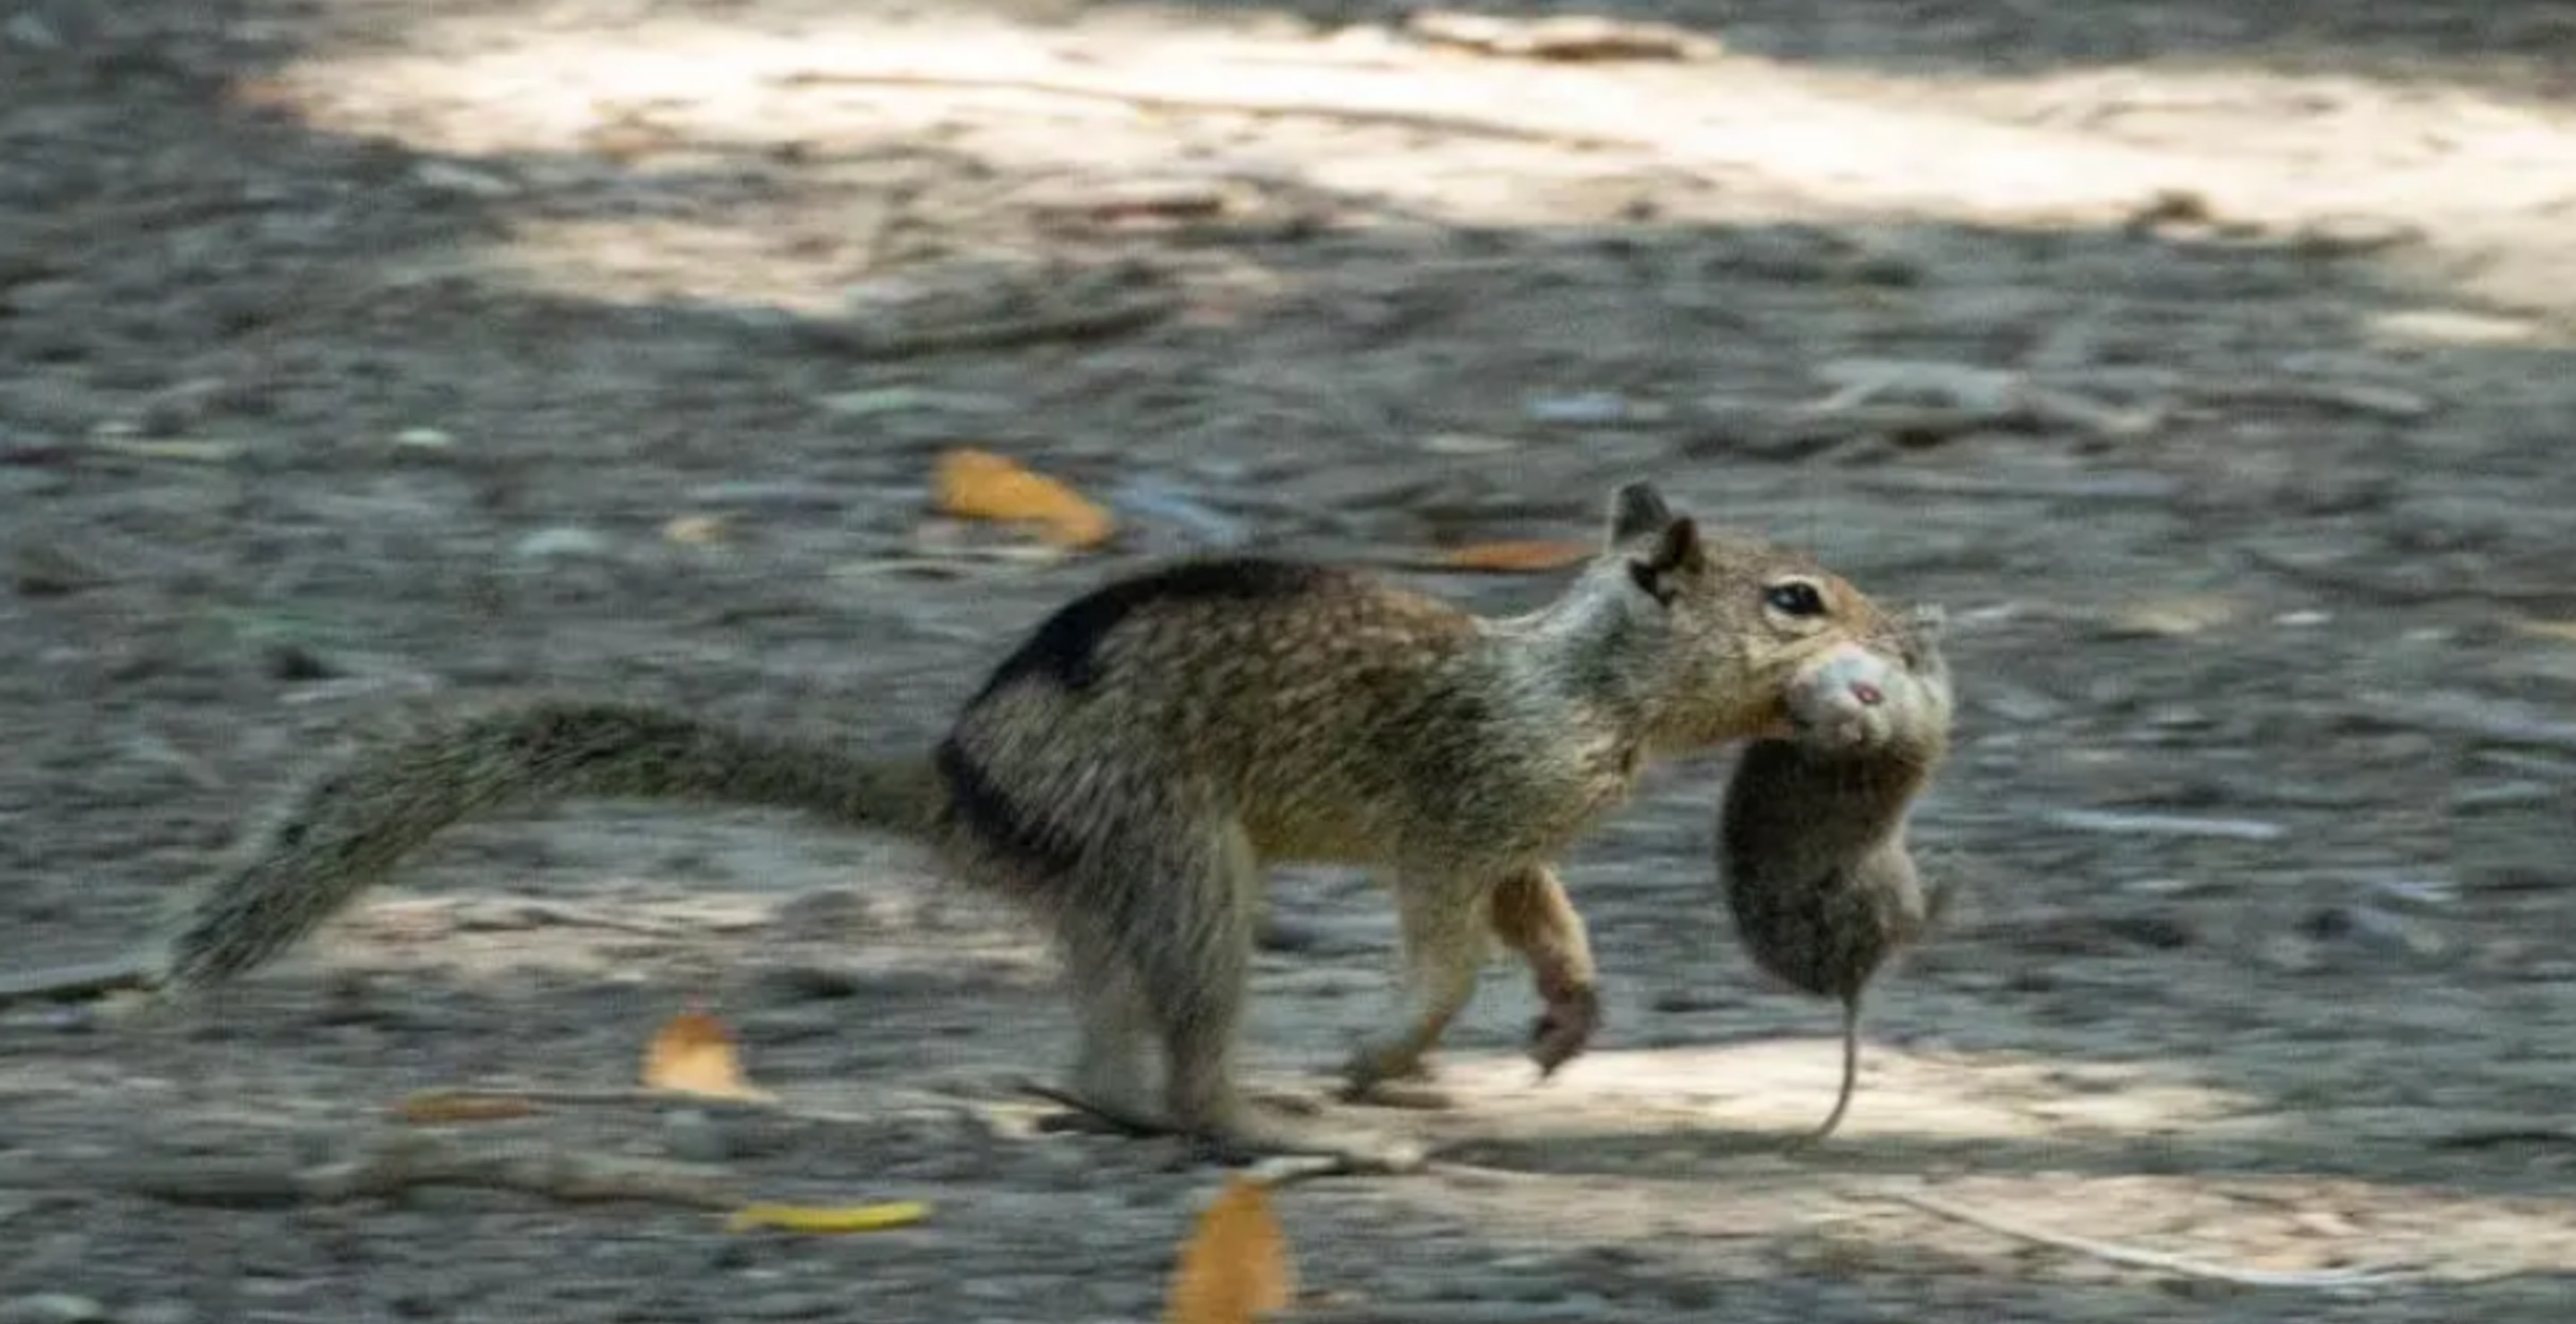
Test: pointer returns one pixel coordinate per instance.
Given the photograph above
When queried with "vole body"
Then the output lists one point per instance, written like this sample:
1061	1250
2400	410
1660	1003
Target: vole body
1811	852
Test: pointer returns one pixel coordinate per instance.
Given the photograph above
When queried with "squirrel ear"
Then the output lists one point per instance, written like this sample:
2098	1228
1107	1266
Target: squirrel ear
1637	510
1674	553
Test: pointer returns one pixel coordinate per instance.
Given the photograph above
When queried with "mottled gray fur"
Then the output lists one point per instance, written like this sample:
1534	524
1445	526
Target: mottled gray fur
1811	833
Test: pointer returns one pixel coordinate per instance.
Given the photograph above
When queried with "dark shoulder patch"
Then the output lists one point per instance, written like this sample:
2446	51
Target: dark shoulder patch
992	817
1065	648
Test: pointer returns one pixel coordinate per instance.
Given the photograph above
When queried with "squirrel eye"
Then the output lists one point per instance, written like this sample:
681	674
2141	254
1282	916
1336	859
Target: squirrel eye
1795	597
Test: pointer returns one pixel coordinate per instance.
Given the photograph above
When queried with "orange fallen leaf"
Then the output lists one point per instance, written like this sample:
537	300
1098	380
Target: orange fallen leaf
1235	1268
1518	556
439	1107
975	484
694	1054
828	1218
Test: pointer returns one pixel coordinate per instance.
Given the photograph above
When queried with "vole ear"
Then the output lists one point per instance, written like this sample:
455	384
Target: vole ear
1923	627
1658	567
1636	511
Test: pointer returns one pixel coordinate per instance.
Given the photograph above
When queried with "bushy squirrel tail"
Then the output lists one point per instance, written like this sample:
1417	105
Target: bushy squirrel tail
350	827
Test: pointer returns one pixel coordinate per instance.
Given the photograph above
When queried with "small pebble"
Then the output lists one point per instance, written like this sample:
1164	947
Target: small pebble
295	663
563	542
2502	795
833	912
696	530
1588	408
2348	235
691	1136
1467	443
804	1022
448	177
2369	928
807	982
424	439
1156	500
2292	955
1289	937
51	1308
2169	618
2424	894
869	404
2167	886
772	497
33	33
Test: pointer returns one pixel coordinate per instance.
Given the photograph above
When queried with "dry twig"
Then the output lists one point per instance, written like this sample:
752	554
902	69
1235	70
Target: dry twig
430	1102
1561	37
75	982
1098	322
1942	399
2469	716
2410	594
2347	397
1428	121
2101	485
402	1160
2140	1258
1457	1312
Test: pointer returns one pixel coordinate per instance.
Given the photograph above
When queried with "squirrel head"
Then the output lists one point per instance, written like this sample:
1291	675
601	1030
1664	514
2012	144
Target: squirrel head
1704	632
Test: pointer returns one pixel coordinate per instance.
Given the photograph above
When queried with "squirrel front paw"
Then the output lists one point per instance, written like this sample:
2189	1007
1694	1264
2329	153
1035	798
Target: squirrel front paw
1565	1028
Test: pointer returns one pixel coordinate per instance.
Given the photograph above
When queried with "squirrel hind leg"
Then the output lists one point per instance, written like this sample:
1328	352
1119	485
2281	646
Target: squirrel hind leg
1178	906
1114	1069
1187	932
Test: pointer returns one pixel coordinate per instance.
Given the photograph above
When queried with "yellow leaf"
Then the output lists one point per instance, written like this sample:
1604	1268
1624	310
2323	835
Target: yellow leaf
694	1054
975	484
1235	1268
828	1218
439	1107
1521	556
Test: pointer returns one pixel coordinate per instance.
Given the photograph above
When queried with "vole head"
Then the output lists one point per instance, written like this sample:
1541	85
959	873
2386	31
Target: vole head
1885	697
1711	629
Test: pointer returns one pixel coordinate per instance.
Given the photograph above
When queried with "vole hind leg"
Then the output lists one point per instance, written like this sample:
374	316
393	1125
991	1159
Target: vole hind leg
1534	917
1444	923
1193	955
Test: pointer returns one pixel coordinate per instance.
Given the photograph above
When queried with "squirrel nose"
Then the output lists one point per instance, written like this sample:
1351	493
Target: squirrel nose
1867	694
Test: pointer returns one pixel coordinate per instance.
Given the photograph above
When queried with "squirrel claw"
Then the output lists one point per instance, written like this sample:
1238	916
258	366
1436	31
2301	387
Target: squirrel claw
1565	1029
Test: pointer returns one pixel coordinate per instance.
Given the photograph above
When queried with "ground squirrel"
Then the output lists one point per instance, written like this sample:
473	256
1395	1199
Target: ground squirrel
1811	833
1130	770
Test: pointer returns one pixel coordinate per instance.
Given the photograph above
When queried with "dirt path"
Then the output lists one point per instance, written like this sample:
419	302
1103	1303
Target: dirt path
352	349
